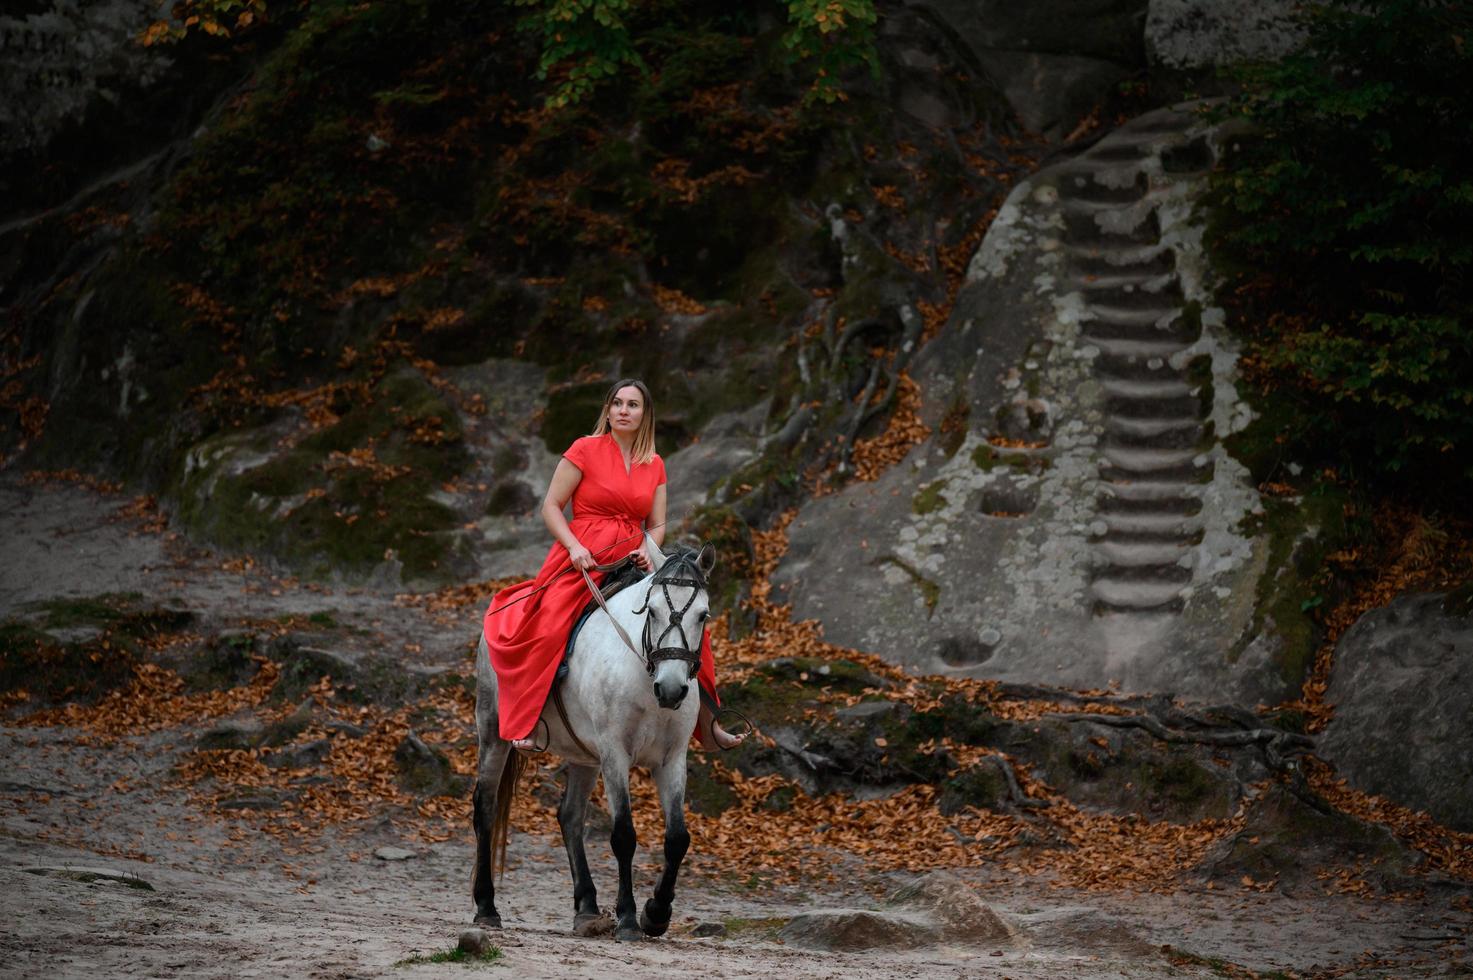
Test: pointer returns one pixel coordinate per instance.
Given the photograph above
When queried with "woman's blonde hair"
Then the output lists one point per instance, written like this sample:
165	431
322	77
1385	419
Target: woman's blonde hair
644	437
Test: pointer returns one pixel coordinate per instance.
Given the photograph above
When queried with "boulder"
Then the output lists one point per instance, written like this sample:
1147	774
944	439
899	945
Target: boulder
954	906
1292	835
1401	683
853	930
1082	928
936	908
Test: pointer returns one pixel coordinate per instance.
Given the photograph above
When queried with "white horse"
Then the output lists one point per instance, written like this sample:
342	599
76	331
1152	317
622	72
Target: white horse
624	709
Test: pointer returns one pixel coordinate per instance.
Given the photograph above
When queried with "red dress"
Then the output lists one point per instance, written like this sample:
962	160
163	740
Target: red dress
527	636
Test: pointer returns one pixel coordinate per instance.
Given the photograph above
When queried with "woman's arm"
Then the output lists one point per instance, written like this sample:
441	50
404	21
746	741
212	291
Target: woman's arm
655	523
654	526
565	480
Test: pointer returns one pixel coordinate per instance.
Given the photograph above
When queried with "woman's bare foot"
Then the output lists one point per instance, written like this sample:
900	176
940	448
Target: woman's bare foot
524	745
712	735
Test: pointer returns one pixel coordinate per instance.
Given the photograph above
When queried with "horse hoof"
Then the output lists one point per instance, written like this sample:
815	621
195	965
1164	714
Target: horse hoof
651	922
588	924
629	934
487	921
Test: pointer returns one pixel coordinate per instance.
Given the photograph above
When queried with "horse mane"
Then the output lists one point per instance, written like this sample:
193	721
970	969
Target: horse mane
684	558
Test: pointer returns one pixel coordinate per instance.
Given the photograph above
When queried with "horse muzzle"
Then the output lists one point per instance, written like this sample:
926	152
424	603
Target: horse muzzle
671	694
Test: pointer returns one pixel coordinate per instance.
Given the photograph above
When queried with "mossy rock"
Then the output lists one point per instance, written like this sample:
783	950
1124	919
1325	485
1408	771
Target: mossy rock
1293	835
961	721
32	660
1131	773
1295	590
981	787
323	510
425	770
80	649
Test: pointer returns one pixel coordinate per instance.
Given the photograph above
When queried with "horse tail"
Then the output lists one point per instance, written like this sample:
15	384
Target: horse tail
511	775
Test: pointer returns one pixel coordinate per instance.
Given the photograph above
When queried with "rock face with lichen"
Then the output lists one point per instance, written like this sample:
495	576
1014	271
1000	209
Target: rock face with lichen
1075	516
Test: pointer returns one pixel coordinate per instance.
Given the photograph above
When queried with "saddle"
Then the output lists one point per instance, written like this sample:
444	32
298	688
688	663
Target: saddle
617	581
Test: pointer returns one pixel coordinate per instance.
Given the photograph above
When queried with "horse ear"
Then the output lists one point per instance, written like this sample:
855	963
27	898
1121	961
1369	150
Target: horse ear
652	548
706	560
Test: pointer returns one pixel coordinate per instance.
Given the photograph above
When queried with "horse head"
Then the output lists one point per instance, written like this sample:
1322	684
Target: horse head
676	606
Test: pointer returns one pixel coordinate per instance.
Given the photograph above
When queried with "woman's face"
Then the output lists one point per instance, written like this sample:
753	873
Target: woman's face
626	411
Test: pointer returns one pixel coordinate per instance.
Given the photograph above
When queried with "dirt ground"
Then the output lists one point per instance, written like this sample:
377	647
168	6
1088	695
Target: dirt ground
107	869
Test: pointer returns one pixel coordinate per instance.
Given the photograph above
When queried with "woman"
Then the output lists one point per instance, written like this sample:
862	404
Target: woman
616	482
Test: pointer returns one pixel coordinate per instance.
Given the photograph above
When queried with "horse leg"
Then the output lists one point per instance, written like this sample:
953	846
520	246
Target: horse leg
571	812
493	765
622	841
670	781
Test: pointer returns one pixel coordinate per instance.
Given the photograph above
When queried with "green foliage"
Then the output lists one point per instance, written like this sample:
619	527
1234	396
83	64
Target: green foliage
1346	214
583	42
834	36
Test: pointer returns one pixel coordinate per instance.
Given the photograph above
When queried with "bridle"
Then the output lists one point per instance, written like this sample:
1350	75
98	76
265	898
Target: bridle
684	570
679	570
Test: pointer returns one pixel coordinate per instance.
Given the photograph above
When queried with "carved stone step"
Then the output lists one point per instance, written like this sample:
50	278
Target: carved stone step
1145	428
1122	150
1083	184
1142	389
1121	347
1108	611
1191	472
1169	439
1147	313
1100	259
1082	226
1164	292
1131	595
1150	490
1160	525
1130	554
1105	325
1153	408
1131	368
1140	460
1164	574
1178	506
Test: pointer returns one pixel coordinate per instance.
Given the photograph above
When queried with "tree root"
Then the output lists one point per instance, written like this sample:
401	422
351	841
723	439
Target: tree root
1277	745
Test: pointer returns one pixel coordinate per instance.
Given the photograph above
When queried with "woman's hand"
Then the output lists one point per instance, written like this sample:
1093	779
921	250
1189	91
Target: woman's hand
641	559
580	558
